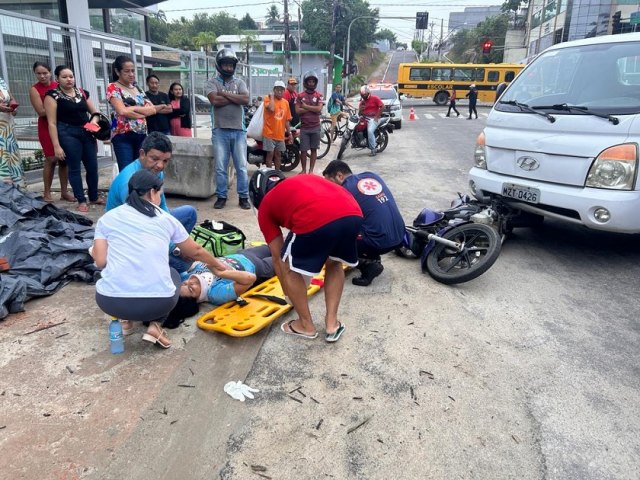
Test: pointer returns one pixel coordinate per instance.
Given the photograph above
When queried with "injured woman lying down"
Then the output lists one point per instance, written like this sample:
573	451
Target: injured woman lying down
252	265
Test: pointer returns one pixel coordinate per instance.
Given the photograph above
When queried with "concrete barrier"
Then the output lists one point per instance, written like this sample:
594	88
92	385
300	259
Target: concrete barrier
191	171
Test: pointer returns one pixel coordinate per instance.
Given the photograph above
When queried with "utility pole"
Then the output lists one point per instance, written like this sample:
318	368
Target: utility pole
430	40
287	44
441	37
332	48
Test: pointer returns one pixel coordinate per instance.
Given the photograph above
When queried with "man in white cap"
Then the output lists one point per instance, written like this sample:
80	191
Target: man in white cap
473	99
277	116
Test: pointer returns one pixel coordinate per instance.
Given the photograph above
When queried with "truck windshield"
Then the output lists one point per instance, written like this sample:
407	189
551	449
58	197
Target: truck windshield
603	78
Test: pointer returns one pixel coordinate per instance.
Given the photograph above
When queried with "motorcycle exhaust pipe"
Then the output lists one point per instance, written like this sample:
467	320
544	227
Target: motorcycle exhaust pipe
457	245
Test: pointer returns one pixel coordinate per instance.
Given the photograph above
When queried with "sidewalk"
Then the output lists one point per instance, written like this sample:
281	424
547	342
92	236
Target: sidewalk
69	409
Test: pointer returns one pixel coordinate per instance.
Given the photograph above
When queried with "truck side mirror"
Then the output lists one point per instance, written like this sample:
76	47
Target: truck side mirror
499	90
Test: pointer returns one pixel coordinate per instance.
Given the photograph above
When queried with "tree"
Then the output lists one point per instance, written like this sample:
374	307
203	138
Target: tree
273	15
181	33
247	23
467	44
205	40
418	46
316	22
513	5
386	34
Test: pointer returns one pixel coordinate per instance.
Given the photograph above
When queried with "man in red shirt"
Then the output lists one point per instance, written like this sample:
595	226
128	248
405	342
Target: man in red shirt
308	106
371	107
290	95
323	220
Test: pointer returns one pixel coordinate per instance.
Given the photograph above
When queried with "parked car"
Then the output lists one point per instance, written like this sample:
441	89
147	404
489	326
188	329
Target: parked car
392	102
562	140
203	105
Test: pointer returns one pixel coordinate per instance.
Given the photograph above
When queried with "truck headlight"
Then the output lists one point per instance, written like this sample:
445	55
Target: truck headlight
480	154
614	168
395	108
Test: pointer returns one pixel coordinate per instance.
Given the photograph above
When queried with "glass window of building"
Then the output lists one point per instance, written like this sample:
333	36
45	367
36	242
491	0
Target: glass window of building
126	23
46	9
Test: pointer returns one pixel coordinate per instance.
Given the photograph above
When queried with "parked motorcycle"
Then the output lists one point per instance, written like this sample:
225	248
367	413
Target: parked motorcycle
289	159
356	133
455	245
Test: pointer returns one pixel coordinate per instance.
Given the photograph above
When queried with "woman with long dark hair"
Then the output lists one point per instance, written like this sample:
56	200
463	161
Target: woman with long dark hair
130	245
131	107
37	92
181	116
68	108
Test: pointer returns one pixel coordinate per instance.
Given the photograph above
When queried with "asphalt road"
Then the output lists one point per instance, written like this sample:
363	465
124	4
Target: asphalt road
530	371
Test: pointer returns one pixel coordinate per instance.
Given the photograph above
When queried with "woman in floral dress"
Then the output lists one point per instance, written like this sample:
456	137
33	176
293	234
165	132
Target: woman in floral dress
10	163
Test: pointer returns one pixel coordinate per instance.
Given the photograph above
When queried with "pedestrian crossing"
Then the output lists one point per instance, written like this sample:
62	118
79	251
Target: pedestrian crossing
438	116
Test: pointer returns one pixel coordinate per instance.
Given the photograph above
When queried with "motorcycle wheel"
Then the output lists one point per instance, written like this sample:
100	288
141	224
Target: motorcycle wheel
343	145
382	139
290	158
325	144
481	250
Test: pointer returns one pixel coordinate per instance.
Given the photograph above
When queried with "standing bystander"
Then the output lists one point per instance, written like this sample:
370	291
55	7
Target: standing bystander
473	99
228	94
308	106
276	125
160	121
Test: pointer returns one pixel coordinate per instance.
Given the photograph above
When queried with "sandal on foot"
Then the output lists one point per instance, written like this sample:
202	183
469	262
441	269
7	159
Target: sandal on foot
67	197
127	327
98	201
83	208
291	331
161	340
335	336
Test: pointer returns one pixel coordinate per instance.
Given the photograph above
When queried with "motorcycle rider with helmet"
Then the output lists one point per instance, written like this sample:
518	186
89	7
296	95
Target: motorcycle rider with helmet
371	107
228	94
308	107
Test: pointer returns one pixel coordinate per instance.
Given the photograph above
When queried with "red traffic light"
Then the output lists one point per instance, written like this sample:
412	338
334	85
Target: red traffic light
486	46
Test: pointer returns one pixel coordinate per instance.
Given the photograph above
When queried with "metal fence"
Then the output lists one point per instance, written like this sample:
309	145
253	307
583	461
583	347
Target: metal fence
25	40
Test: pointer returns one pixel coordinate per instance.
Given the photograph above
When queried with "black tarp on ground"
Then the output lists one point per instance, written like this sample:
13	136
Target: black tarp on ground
46	247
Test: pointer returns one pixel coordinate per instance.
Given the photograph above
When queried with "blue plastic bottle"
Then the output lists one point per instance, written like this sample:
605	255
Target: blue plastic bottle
116	338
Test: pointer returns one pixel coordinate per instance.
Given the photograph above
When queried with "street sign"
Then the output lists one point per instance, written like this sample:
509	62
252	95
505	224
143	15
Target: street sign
634	19
422	20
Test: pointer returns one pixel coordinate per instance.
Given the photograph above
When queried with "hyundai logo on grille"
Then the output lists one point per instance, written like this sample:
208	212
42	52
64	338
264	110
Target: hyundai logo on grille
527	163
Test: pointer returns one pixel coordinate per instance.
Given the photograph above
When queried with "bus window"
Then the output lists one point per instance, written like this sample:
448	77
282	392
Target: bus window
420	74
509	76
442	74
463	74
479	75
493	76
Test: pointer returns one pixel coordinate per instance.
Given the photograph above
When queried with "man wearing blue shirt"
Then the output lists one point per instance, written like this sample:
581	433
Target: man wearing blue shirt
383	227
155	153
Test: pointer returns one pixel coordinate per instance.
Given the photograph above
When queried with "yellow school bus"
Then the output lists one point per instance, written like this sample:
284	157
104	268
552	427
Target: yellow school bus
436	80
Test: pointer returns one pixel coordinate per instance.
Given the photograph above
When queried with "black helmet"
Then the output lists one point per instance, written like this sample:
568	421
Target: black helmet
104	133
226	55
261	182
307	76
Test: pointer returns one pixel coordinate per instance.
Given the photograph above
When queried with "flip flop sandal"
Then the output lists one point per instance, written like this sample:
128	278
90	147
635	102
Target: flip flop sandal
335	336
294	333
68	198
129	330
99	201
83	208
147	337
48	199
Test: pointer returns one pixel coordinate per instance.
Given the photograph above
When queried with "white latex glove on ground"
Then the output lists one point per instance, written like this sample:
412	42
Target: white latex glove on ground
238	390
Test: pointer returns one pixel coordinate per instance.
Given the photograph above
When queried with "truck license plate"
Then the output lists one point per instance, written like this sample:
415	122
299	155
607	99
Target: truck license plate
520	192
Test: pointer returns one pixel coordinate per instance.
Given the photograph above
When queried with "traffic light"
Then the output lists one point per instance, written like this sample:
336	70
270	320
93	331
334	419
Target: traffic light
486	47
616	24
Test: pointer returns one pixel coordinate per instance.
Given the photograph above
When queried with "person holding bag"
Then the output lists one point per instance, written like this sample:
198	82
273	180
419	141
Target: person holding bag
276	125
68	109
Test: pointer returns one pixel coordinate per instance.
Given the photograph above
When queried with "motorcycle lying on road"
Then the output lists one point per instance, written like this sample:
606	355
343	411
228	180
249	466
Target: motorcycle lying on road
455	245
355	133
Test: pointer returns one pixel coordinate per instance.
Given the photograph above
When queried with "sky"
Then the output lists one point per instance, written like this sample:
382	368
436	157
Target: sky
404	29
